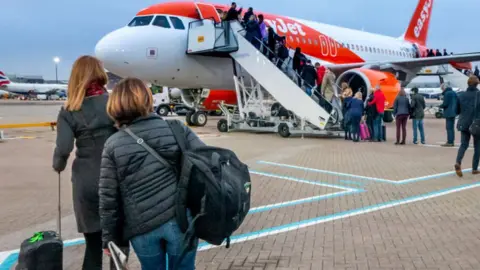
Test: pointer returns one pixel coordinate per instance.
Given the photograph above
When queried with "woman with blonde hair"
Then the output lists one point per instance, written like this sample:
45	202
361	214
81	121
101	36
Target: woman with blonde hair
83	120
346	97
135	187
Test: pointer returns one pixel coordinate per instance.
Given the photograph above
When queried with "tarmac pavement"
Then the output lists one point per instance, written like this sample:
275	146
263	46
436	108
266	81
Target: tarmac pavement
317	203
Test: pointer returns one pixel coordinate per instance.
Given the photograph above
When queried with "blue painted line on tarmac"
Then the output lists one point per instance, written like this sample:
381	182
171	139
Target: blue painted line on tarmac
349	213
352	182
302	201
300	180
8	263
395	182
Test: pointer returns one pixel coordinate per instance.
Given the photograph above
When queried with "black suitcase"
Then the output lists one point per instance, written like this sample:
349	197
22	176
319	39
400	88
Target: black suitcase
384	133
44	250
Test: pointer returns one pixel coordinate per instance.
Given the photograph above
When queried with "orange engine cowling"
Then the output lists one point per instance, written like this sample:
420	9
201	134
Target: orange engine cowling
362	79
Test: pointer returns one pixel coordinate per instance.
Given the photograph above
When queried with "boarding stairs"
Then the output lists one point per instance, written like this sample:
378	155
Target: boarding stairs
210	38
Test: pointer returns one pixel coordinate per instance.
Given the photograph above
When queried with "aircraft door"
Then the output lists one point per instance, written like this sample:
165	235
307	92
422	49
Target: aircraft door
208	11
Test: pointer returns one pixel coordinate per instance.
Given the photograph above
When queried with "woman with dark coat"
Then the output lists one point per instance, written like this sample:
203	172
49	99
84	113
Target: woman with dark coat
468	109
137	191
84	120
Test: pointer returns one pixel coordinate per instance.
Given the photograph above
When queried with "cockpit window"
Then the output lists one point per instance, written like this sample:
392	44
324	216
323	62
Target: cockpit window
161	21
177	23
141	21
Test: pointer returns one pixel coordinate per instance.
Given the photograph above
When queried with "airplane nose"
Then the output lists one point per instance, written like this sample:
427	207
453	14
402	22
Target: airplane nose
109	50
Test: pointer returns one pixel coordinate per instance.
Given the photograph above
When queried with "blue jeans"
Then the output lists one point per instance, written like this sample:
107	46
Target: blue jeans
450	124
152	253
308	90
418	124
355	127
377	127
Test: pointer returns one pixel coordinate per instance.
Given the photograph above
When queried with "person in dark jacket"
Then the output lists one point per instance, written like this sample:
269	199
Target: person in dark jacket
438	53
282	53
272	39
468	110
297	64
253	34
309	76
233	13
476	72
247	15
346	97
445	52
83	120
401	110
356	112
418	107
137	192
449	107
370	113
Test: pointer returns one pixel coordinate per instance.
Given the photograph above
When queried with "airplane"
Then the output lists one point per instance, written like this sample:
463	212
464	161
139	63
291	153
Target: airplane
153	47
29	88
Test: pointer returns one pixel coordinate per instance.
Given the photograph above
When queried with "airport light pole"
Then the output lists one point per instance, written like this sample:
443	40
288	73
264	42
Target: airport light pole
56	60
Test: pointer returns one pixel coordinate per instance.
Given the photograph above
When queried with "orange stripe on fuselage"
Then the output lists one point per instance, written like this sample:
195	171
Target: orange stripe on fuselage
312	42
184	9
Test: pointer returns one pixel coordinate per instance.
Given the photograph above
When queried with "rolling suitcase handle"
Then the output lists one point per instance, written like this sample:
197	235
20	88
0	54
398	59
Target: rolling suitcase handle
59	217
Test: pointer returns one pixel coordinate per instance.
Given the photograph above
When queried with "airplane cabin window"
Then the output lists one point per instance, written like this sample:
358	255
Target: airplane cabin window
161	21
309	41
315	41
140	21
177	23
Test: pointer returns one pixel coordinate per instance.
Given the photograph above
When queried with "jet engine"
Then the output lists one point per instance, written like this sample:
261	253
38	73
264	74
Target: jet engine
362	79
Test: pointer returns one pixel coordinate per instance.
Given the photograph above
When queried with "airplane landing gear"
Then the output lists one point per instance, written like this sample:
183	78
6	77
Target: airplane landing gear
198	118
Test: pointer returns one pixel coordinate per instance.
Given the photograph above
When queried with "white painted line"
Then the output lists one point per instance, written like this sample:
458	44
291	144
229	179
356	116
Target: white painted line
342	215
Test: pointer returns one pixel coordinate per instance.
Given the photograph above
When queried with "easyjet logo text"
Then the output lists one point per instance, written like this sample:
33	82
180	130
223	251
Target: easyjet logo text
281	26
423	17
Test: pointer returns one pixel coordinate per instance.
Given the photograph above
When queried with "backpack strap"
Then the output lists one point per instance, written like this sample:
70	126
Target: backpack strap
141	142
178	133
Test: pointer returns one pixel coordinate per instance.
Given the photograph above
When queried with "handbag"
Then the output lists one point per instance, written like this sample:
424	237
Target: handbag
475	126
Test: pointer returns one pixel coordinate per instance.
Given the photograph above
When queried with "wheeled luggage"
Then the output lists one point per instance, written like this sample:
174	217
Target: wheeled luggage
44	250
364	132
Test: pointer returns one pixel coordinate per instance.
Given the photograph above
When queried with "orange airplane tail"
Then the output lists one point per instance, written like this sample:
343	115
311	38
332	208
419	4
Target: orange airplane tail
417	30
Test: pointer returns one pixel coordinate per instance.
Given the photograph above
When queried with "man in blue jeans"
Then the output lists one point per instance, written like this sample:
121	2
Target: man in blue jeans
449	107
418	107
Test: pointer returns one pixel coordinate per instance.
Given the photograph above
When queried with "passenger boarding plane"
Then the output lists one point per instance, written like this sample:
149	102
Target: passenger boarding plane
29	88
153	47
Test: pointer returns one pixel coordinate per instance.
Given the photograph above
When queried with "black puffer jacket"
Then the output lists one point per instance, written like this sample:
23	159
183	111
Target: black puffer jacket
137	192
466	108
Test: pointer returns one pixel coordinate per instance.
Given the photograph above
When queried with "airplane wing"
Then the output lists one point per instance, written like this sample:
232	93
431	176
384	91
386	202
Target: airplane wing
414	63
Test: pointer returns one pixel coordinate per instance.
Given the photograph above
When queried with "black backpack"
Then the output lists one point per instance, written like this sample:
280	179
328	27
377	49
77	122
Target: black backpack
214	185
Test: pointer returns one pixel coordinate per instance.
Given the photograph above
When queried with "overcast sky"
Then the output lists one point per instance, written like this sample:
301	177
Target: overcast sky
34	31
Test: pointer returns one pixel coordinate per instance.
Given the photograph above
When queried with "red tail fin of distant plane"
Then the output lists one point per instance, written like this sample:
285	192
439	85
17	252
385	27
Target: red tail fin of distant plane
3	79
417	31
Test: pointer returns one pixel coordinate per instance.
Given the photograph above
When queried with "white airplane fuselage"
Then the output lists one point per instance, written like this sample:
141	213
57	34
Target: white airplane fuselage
125	51
30	88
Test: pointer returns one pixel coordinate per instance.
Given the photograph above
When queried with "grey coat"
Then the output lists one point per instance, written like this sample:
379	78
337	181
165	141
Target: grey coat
418	106
137	192
466	108
401	106
89	127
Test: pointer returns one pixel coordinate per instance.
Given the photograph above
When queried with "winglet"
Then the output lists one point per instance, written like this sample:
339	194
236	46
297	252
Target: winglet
417	30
